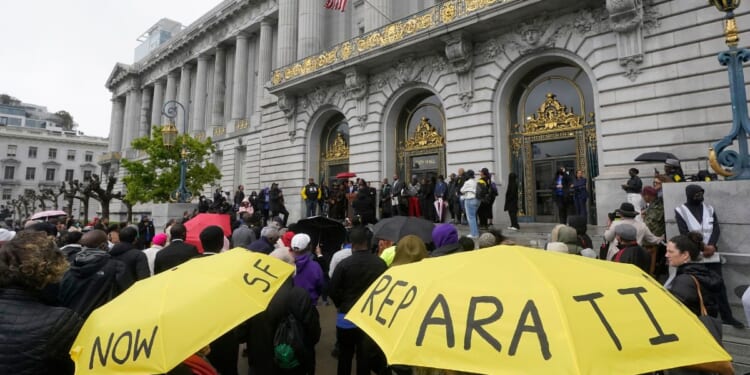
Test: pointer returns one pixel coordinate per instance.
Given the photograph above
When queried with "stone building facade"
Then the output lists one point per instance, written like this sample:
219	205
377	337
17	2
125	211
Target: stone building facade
35	159
288	90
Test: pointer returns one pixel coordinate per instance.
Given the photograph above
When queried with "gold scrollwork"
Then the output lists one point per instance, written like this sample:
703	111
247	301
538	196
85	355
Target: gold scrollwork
515	146
242	124
552	117
276	77
448	12
346	50
219	131
393	33
590	138
425	136
337	150
200	135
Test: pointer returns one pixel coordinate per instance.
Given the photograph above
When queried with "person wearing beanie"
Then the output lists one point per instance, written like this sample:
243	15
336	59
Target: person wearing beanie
309	274
286	239
157	243
697	216
569	237
445	238
629	250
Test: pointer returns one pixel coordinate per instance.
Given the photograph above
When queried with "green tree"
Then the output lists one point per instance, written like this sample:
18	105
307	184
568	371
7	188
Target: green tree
66	118
156	178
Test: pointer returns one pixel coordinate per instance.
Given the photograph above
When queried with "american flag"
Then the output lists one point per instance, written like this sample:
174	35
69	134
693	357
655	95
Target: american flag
336	4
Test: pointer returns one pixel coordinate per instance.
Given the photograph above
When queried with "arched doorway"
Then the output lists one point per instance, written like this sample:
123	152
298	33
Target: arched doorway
334	149
551	129
420	135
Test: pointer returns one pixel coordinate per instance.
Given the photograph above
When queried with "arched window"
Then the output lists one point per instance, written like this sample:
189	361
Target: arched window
421	137
334	149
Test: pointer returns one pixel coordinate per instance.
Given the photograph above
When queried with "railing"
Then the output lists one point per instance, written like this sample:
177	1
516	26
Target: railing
416	24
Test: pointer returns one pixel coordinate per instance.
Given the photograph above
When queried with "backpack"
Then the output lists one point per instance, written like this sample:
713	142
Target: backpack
289	343
483	192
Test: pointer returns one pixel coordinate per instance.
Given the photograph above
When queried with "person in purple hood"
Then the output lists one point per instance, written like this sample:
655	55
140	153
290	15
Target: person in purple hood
445	238
309	274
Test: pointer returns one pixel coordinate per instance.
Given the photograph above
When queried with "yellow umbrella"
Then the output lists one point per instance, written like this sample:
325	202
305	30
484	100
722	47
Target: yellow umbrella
517	310
160	321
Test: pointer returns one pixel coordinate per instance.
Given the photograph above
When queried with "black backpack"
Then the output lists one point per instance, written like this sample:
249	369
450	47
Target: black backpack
289	343
483	192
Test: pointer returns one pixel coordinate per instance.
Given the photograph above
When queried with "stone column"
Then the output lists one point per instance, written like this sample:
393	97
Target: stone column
144	127
265	45
288	12
220	64
115	127
252	63
239	84
377	14
310	39
184	99
158	102
199	116
130	126
171	93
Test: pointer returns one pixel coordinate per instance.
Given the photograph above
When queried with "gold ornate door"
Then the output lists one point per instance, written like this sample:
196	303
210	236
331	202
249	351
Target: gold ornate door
551	138
423	153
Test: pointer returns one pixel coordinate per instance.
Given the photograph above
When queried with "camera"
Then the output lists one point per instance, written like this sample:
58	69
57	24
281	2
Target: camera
613	216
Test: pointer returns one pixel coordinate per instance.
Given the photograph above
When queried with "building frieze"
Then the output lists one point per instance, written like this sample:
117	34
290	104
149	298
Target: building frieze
409	69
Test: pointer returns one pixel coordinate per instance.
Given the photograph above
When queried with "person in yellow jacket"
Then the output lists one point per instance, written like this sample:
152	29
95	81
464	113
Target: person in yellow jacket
311	194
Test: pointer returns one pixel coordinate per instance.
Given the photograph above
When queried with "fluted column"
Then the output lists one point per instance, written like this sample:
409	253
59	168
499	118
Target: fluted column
265	44
115	127
144	127
171	93
158	102
375	18
184	98
130	129
310	39
288	14
199	117
239	84
217	116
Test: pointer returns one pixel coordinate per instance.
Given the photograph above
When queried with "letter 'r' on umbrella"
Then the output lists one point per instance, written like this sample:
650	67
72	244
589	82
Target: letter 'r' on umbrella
516	310
160	321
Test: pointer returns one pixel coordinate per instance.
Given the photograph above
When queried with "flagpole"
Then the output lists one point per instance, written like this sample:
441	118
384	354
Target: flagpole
379	11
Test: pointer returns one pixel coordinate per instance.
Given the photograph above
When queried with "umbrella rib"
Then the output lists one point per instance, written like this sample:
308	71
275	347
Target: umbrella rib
556	298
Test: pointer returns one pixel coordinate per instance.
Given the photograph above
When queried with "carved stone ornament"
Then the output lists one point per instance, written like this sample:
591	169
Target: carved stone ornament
287	104
355	83
425	136
552	117
626	18
460	53
409	69
338	150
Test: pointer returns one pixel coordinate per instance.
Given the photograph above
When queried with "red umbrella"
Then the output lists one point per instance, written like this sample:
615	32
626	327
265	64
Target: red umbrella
195	225
345	175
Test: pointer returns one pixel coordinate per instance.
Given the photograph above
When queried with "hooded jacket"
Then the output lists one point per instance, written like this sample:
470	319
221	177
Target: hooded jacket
309	276
135	260
696	208
683	287
445	238
94	278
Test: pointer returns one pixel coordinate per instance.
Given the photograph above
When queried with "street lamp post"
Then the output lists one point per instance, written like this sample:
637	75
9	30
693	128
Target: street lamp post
169	138
734	60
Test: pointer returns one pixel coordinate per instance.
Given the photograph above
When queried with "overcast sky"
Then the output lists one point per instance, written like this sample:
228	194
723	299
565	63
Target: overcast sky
59	54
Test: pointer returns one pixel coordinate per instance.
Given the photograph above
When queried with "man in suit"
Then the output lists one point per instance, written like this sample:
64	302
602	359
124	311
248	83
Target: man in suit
177	252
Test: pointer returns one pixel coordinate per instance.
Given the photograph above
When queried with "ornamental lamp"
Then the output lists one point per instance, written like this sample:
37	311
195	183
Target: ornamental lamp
725	5
169	134
732	37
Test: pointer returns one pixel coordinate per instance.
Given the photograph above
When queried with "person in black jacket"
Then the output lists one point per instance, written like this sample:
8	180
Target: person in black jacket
94	277
276	202
349	281
364	203
36	338
630	251
683	252
125	251
511	201
259	330
177	252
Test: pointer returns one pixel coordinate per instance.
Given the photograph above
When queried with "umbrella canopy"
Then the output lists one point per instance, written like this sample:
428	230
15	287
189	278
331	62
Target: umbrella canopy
48	214
160	321
328	232
345	175
196	225
394	228
517	310
656	156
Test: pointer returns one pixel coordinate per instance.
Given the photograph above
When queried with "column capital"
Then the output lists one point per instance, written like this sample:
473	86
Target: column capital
204	56
242	35
266	21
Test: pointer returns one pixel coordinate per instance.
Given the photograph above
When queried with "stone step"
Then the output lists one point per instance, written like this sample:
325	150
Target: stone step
737	344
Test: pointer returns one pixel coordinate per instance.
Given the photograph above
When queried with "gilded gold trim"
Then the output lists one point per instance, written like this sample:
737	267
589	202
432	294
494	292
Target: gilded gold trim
436	16
552	117
338	150
425	136
219	131
241	124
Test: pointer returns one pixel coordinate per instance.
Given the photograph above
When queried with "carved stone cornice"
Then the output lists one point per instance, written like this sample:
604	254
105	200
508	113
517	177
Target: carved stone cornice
409	69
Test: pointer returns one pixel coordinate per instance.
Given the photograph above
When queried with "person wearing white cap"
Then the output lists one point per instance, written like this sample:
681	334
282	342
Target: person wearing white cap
309	274
6	235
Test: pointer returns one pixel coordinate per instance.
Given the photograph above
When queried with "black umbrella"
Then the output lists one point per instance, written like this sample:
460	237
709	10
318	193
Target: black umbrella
330	234
656	156
395	228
